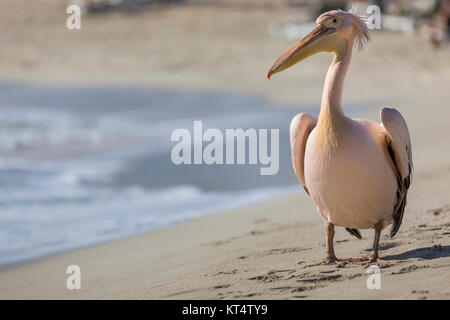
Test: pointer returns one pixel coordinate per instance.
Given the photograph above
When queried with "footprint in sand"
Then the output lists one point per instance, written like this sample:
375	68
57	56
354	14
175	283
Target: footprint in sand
409	269
287	250
221	286
273	275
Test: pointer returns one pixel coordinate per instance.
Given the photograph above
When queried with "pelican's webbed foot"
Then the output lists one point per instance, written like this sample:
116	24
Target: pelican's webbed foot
330	260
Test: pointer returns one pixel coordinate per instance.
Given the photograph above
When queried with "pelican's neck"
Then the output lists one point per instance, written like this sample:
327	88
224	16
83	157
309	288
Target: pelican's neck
331	120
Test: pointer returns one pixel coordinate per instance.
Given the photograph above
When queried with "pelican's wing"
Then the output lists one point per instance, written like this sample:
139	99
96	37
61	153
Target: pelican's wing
301	126
399	147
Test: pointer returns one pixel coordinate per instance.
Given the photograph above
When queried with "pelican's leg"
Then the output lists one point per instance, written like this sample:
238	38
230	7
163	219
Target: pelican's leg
376	240
330	258
329	229
373	257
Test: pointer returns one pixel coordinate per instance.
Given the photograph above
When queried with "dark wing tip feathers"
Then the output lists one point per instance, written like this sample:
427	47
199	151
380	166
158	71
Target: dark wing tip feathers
306	189
398	214
354	232
398	217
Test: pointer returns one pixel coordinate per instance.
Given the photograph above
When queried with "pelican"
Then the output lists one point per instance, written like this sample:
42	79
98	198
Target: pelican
356	171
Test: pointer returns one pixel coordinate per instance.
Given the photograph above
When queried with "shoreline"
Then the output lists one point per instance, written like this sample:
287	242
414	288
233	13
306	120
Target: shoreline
94	243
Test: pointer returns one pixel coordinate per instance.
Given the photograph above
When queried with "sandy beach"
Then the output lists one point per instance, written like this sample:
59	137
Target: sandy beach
260	251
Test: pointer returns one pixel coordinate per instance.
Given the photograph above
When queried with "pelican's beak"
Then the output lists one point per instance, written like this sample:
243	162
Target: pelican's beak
310	45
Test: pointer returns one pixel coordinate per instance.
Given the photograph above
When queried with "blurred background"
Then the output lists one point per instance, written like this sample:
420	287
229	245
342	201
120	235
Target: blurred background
86	115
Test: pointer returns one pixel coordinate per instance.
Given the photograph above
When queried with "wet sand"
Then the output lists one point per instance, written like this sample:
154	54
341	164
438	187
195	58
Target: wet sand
261	251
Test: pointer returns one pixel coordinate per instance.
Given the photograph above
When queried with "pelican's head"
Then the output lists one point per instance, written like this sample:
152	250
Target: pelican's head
334	32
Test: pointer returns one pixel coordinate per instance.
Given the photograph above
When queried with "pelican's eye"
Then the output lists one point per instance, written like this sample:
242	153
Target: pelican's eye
334	20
